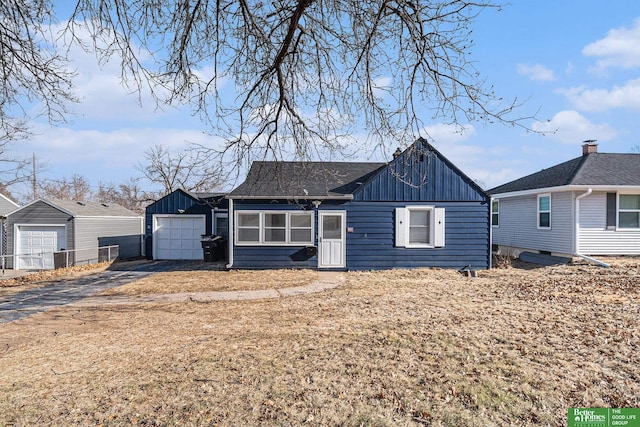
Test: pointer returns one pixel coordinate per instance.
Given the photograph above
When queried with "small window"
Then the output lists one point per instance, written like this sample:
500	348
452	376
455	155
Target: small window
420	227
301	229
495	213
275	227
248	226
629	211
544	211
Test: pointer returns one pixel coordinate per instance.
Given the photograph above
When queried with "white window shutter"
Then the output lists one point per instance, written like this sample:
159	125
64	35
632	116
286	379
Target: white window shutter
438	227
401	227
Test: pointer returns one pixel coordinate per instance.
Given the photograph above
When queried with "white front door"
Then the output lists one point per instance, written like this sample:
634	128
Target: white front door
331	239
178	236
35	245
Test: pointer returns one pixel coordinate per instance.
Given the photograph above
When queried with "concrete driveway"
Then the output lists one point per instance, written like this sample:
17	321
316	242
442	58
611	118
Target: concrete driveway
68	291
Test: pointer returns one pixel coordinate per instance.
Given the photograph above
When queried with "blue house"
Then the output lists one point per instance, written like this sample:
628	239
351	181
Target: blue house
419	210
175	224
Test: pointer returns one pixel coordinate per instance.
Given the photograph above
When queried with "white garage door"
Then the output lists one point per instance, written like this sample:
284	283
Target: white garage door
35	245
178	236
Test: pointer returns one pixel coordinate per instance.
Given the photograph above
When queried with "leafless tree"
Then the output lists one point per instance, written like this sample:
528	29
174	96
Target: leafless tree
128	194
75	188
35	76
283	79
188	169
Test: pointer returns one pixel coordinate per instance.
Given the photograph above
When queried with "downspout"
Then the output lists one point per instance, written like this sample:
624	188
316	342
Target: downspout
231	235
577	233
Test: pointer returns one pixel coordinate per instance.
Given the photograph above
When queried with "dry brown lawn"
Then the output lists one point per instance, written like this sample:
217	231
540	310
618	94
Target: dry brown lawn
205	281
514	346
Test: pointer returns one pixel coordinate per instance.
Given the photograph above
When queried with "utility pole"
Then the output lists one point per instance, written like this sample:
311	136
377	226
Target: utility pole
35	179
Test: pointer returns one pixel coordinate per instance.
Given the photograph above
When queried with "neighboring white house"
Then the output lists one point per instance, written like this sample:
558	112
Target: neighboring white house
589	205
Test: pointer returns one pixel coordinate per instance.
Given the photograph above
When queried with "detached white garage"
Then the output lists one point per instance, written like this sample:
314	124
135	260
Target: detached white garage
37	230
178	236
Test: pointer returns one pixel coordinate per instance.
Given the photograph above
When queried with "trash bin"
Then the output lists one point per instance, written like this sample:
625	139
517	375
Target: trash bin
210	247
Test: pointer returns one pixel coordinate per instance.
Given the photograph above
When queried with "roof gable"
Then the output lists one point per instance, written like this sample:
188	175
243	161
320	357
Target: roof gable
602	169
421	173
303	180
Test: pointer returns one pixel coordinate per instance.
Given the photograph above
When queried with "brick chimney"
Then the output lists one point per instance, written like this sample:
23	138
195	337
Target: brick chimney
589	147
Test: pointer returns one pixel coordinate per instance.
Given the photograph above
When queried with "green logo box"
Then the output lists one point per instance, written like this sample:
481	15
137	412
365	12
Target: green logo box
603	417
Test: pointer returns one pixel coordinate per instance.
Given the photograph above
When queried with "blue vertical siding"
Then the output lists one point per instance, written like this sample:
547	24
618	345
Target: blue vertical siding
420	176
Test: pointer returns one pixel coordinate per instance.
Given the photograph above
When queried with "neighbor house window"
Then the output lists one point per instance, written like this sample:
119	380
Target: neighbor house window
495	213
274	228
419	227
544	211
629	211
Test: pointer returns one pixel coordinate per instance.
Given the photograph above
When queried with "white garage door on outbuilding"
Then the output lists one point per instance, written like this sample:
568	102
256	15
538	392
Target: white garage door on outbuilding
35	245
178	236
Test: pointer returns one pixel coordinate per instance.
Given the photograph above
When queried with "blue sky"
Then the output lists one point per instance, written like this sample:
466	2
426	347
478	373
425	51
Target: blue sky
575	63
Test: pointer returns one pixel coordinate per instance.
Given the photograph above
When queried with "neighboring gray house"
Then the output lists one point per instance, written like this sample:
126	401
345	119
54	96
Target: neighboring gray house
589	205
40	228
6	205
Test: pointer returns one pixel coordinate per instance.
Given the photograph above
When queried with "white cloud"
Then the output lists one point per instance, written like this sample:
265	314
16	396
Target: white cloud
104	155
536	72
627	96
620	48
570	127
441	133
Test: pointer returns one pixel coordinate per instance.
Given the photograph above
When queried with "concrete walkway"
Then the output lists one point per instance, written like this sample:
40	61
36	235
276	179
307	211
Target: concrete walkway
326	280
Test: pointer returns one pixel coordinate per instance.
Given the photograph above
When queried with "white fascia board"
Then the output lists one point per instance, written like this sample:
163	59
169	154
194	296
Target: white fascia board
562	188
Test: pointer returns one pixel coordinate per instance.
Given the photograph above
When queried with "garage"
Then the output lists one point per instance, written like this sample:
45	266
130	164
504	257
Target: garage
183	216
83	229
178	236
35	245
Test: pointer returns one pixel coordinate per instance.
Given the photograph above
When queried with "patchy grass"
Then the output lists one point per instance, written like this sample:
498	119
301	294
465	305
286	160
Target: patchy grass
208	281
393	348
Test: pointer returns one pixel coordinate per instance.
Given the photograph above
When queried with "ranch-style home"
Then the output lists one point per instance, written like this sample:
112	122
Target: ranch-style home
586	206
418	210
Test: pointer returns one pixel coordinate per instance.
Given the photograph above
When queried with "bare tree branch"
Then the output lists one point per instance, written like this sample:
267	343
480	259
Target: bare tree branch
304	74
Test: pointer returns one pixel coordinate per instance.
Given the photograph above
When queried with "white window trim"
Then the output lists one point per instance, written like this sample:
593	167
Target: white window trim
436	227
261	226
496	212
538	211
618	210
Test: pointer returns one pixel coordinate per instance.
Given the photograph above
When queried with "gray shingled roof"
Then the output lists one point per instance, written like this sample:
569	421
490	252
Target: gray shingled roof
611	169
299	180
90	208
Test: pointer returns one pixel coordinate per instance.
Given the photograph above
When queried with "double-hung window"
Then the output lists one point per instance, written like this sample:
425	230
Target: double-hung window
495	213
544	211
629	210
274	228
